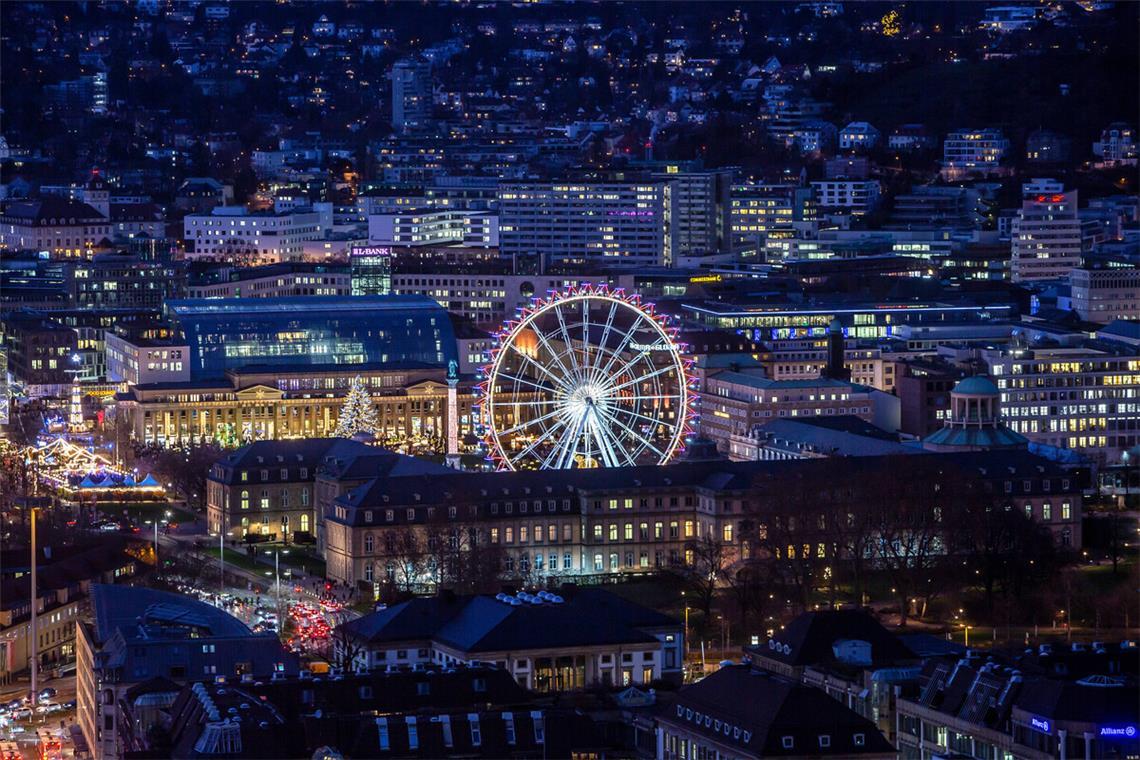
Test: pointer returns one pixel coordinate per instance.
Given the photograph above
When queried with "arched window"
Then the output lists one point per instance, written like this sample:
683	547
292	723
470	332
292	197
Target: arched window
368	572
245	499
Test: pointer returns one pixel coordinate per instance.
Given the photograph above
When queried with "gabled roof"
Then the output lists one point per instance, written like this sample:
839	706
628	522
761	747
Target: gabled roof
585	617
811	636
755	711
52	207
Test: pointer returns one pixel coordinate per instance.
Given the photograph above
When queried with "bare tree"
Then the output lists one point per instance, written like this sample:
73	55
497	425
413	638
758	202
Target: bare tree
706	559
407	557
344	647
915	509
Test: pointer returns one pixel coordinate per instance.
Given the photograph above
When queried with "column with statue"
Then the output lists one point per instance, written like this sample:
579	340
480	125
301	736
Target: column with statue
452	415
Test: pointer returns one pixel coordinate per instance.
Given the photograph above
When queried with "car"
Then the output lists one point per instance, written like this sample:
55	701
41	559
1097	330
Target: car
46	694
109	527
24	713
54	707
69	704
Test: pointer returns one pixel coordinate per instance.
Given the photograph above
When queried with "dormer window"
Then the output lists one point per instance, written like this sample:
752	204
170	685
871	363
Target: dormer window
824	741
787	742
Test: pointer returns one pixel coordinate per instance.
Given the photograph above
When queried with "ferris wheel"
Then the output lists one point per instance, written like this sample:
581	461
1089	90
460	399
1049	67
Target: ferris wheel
587	377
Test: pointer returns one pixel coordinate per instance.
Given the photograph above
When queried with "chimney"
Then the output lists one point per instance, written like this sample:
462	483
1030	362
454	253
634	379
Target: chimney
835	353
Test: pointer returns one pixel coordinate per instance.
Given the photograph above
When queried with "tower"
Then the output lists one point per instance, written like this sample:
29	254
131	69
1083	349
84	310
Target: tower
97	194
411	95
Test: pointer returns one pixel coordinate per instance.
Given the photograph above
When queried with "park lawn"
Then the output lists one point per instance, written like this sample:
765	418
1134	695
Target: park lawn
237	559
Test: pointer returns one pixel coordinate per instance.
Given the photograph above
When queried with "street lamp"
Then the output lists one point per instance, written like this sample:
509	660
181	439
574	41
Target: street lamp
686	603
277	578
155	521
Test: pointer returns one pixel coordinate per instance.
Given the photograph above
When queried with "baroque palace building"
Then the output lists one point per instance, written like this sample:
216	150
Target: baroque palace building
383	518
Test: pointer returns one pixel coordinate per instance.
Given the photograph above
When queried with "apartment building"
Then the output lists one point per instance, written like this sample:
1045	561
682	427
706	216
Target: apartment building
1105	294
607	223
1046	237
858	135
231	233
426	226
411	94
855	197
973	151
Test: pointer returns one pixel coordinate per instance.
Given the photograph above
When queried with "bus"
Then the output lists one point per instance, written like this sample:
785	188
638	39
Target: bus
10	751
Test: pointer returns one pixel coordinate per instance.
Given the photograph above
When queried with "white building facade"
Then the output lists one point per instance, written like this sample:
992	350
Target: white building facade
1046	237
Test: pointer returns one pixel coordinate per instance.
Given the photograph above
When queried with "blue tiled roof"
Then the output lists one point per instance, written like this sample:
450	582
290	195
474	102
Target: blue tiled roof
976	386
987	438
586	617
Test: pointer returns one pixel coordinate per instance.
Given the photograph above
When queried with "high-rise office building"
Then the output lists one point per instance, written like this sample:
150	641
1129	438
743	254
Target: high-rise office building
591	221
702	211
411	94
1046	237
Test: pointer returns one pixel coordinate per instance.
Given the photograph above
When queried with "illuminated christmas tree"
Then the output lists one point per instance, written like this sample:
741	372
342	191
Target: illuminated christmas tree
357	415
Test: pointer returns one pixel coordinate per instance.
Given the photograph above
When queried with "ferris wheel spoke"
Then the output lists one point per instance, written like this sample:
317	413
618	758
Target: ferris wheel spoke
567	458
605	373
567	342
651	420
544	438
555	453
642	379
560	382
652	397
586	340
605	444
555	355
530	422
527	382
640	438
596	373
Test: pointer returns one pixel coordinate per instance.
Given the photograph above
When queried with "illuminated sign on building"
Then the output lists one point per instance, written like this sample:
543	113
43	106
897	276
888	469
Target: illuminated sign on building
1118	732
1040	724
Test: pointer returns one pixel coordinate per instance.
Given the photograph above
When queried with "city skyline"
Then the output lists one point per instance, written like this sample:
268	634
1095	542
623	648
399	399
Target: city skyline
569	379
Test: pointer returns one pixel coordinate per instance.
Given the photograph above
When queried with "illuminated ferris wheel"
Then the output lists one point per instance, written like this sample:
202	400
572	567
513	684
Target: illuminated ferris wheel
587	377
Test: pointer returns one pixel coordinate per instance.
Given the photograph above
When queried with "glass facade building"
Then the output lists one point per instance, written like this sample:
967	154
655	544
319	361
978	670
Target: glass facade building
371	270
871	320
224	334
